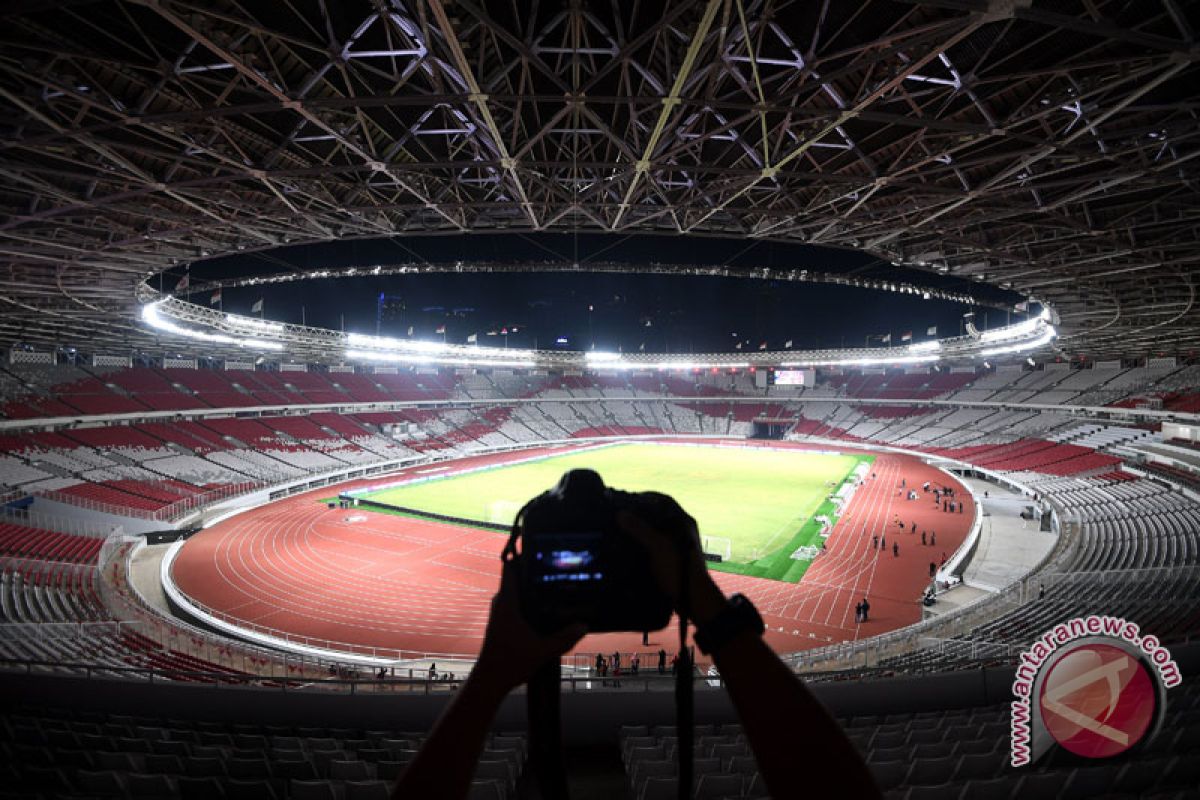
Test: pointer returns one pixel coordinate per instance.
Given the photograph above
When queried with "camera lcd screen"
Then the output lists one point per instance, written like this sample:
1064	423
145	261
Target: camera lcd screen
568	558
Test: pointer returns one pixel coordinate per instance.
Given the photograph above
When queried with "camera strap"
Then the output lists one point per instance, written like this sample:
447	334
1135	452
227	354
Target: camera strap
684	688
542	702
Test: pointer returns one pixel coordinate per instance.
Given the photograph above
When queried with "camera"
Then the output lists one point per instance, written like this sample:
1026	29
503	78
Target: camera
577	565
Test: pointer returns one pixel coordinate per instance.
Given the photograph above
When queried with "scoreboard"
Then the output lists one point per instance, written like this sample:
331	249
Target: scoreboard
794	377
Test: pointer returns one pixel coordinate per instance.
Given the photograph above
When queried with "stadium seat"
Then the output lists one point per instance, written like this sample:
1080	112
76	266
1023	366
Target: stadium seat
300	769
714	786
1088	782
37	778
389	770
312	790
742	765
889	774
156	786
1042	786
198	767
248	768
367	790
486	790
238	789
930	772
350	770
644	770
660	789
105	783
946	791
120	762
192	788
1183	771
991	789
500	771
976	766
156	764
171	748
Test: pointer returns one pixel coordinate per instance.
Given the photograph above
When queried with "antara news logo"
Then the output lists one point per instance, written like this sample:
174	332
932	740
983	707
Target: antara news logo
1094	685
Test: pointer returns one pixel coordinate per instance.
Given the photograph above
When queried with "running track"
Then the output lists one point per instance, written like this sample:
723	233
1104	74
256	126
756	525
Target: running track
378	581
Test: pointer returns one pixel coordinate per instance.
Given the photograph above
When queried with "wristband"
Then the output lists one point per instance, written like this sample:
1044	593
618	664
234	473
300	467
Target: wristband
738	617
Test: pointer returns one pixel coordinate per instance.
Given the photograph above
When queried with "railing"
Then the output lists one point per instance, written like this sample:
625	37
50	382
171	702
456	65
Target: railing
17	631
54	522
971	649
165	514
408	682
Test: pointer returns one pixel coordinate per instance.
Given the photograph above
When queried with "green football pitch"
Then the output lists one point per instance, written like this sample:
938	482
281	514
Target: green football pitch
755	506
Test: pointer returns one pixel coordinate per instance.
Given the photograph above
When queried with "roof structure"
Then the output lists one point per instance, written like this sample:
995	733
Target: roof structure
1048	147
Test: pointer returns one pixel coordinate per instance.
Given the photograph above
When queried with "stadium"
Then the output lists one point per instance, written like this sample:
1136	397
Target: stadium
303	302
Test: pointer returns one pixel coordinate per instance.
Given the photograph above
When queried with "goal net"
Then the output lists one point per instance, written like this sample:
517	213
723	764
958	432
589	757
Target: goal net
717	546
501	512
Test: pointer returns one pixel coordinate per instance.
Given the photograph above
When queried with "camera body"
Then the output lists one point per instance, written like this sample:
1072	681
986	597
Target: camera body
577	565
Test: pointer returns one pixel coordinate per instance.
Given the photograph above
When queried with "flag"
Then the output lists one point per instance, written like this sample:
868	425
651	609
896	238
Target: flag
504	331
787	344
642	346
1021	306
738	346
886	338
440	329
762	345
906	336
257	307
931	330
410	330
215	299
492	333
513	329
473	338
647	323
183	282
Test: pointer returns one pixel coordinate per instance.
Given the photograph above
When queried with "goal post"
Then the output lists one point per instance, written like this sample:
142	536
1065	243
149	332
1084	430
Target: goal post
501	512
717	546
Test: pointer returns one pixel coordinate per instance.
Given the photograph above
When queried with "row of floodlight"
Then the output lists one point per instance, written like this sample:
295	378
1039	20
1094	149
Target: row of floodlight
251	333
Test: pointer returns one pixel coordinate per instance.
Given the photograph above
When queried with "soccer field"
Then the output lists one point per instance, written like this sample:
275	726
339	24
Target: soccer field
761	500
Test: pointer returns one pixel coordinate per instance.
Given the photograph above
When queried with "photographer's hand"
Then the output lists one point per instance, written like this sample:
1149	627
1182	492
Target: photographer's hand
770	699
512	651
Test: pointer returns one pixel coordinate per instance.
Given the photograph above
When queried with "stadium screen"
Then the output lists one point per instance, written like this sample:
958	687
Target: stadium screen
794	377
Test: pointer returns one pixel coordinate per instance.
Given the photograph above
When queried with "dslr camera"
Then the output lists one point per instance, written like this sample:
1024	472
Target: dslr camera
577	565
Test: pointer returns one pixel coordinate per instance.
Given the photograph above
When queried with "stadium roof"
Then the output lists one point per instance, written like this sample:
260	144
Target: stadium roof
1046	147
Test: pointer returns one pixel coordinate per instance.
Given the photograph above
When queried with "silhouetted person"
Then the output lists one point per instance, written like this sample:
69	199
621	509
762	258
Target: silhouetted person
895	549
662	661
761	687
866	609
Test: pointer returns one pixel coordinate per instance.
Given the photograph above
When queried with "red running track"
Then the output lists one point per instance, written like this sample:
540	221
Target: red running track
369	580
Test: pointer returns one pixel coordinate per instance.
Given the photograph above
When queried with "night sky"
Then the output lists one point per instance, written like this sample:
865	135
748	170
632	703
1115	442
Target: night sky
660	312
